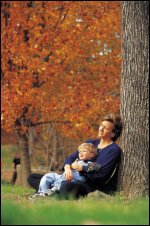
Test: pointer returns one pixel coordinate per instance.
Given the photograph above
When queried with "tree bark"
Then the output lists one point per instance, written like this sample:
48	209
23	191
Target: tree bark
134	174
25	158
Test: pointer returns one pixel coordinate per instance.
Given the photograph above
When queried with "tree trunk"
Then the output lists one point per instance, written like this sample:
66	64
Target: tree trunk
134	176
25	159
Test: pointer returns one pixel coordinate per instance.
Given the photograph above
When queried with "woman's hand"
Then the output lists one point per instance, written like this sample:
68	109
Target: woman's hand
68	172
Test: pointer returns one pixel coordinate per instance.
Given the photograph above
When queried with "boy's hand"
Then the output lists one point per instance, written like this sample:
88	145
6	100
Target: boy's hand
76	166
79	167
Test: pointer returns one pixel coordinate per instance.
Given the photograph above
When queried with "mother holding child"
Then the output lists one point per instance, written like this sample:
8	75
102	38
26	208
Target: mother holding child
94	166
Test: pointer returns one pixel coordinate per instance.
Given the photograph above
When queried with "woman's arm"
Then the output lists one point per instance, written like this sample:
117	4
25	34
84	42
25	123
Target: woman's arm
107	163
71	158
68	172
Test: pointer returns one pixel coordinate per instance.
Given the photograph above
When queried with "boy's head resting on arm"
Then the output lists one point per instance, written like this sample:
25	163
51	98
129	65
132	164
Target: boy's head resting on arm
87	151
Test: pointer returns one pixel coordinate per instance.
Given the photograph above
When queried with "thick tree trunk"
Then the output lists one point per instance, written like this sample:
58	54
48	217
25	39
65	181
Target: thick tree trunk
134	175
25	169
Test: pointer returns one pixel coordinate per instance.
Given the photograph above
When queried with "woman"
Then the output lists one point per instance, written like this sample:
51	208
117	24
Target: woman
109	154
108	157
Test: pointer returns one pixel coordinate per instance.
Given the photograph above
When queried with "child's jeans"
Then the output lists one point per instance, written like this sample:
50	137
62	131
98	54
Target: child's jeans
50	180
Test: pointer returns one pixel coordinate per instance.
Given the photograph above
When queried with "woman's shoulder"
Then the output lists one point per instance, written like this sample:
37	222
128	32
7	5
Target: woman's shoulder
116	147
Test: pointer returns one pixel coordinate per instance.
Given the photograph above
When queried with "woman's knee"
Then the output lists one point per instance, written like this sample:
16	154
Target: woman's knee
34	180
30	178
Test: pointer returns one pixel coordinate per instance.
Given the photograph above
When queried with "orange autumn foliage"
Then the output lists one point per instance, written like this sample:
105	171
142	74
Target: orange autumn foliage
61	63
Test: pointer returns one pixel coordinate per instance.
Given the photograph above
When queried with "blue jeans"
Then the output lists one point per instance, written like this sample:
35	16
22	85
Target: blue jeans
50	180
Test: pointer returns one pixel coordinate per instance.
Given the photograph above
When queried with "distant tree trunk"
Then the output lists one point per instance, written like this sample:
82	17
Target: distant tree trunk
134	176
25	158
55	148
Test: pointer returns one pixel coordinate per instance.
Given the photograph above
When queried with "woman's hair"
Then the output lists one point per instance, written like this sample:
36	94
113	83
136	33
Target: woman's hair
90	146
116	120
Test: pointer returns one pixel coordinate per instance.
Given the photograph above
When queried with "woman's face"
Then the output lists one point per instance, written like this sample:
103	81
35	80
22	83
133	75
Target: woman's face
105	130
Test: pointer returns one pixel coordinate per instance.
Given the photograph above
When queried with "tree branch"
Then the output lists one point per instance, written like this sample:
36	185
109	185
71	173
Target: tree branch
47	122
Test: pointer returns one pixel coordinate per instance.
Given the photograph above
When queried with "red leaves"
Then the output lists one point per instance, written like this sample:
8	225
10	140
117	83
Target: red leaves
51	62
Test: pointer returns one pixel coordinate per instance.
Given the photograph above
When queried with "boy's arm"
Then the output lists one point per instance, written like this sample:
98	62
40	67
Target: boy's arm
91	166
85	166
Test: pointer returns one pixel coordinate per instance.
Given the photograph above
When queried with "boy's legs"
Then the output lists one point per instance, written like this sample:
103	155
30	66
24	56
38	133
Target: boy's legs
77	177
48	181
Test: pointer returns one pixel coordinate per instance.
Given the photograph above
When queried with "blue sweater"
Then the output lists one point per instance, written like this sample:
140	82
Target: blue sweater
107	157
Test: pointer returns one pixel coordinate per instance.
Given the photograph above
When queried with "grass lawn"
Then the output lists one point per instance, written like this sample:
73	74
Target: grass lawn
18	210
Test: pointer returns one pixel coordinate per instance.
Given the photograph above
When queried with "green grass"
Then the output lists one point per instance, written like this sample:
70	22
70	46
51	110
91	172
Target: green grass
18	210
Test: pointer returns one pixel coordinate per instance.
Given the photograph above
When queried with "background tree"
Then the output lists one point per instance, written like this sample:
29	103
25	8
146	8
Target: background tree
60	65
134	98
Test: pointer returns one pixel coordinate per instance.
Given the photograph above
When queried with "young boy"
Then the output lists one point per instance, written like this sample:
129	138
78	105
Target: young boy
51	182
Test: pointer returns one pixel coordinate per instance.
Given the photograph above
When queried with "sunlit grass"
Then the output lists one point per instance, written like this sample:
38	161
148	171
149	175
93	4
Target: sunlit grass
17	209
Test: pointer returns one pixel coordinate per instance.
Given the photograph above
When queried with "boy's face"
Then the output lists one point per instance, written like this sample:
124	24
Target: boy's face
84	153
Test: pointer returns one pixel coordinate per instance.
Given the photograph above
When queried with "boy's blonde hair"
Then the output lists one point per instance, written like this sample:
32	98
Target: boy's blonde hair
90	146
